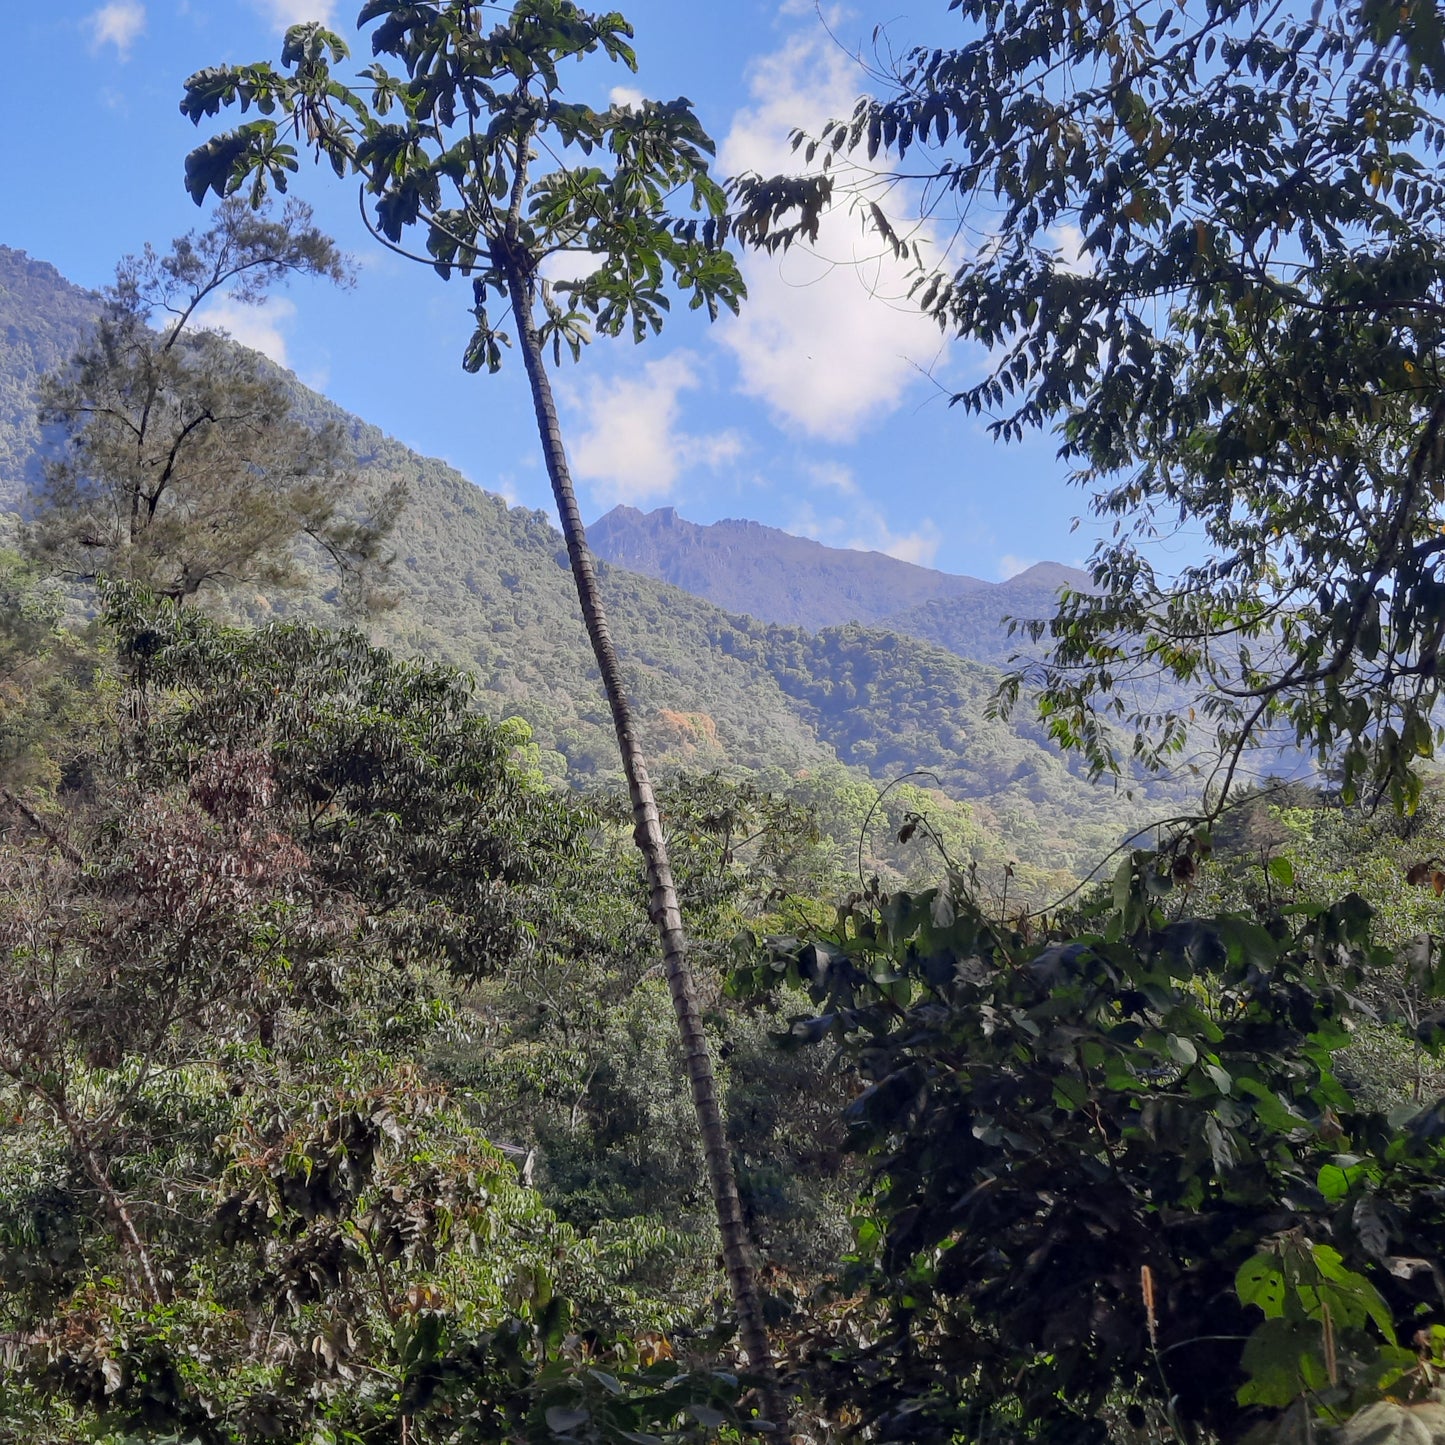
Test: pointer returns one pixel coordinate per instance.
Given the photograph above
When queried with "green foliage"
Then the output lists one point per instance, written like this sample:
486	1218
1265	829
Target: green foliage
473	110
1256	196
184	467
577	1055
52	683
478	584
232	1205
1082	1144
398	788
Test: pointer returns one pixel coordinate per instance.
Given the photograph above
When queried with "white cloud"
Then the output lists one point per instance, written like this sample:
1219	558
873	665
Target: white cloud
1069	256
829	340
285	13
120	24
919	547
1011	566
630	447
259	327
569	265
627	96
833	476
866	530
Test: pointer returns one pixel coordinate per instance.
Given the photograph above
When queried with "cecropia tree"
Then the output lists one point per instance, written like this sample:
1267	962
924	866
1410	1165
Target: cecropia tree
476	147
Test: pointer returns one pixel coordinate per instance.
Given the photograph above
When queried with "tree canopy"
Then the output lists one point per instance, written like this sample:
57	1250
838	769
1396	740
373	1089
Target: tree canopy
450	147
236	1204
481	113
1121	1189
184	467
1206	246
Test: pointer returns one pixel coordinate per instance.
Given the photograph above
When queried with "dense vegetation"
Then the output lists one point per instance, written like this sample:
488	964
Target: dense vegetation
343	1090
277	977
339	1097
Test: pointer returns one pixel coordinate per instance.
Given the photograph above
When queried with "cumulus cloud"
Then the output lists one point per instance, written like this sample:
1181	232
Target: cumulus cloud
829	340
626	96
259	327
284	13
865	529
631	447
120	24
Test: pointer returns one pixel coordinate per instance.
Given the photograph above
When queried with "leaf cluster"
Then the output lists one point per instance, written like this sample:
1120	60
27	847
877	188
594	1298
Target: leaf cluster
1240	341
449	146
1077	1144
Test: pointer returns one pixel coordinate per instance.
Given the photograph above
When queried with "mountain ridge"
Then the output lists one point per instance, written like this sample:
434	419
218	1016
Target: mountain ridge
765	572
760	571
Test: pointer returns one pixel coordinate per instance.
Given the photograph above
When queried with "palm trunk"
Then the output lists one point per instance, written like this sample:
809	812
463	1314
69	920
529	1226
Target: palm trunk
647	831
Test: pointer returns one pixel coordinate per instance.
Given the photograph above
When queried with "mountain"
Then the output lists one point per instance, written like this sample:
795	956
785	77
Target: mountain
42	317
769	574
484	586
776	577
975	624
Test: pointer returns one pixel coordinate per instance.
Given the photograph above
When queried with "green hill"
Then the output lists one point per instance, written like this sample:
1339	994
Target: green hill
975	625
483	586
774	576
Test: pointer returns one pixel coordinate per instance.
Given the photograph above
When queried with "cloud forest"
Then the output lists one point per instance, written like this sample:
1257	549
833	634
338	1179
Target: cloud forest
467	977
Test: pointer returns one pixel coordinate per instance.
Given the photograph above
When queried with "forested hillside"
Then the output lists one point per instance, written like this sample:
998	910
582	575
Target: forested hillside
379	1067
41	318
978	624
769	574
483	586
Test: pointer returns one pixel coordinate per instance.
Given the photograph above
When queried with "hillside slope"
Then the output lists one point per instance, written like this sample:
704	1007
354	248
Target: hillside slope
976	624
769	574
42	317
483	586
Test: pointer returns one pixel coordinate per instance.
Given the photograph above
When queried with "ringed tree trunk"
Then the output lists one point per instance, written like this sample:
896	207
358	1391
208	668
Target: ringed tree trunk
647	831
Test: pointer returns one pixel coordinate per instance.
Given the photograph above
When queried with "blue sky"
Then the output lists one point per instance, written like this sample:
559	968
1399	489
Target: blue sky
821	410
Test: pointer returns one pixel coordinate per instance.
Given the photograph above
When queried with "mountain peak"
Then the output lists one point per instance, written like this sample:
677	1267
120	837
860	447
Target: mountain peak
1052	575
760	571
748	567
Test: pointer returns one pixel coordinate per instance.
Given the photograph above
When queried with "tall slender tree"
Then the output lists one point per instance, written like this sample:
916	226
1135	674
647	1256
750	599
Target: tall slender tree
455	148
